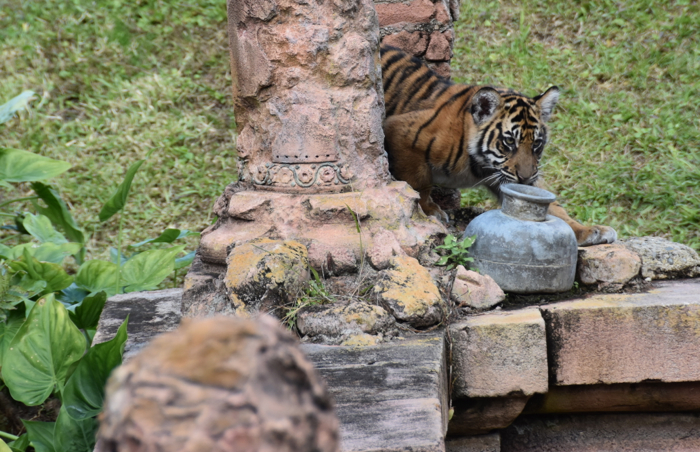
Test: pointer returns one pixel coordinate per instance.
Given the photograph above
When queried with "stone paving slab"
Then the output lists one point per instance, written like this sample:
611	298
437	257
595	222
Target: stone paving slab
626	338
478	443
389	397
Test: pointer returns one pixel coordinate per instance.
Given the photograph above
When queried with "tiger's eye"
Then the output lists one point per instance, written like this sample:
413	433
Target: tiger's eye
509	141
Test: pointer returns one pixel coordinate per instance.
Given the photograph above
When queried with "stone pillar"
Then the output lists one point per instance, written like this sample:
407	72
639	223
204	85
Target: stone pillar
309	102
314	186
423	28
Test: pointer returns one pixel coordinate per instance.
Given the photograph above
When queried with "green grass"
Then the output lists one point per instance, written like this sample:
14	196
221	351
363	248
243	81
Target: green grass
119	78
626	133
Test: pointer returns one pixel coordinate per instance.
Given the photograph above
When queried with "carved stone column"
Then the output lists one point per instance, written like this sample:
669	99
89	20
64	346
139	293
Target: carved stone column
309	111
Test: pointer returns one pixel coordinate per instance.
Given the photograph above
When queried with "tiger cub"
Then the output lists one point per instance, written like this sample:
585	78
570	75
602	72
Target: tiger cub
441	133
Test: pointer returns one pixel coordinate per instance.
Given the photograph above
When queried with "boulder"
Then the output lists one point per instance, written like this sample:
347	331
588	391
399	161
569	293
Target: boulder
473	290
219	384
264	274
607	265
336	324
409	293
663	259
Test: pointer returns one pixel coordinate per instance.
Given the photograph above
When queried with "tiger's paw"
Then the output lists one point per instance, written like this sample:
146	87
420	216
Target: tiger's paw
433	210
595	235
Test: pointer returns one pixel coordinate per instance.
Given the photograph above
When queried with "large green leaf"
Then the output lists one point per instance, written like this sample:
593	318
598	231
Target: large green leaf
168	236
40	227
54	275
118	199
21	444
146	270
57	211
74	435
50	252
185	260
40	435
85	389
8	328
96	275
23	166
42	351
4	447
17	103
86	314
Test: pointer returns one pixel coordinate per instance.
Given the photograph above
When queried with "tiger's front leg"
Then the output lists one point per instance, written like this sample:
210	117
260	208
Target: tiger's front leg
585	235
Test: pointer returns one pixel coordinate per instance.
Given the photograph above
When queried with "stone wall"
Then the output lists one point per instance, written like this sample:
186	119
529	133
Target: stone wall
423	28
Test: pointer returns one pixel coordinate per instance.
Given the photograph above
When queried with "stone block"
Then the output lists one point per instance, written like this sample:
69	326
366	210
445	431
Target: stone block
607	265
499	354
415	42
663	259
640	397
418	12
481	415
439	48
638	432
479	443
409	293
626	338
150	314
474	290
391	397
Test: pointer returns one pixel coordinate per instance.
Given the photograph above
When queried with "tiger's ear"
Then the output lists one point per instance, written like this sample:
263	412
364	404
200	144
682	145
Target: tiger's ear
546	101
484	105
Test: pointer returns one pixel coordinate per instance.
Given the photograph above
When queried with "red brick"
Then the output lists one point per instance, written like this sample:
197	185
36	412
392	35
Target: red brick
414	43
439	48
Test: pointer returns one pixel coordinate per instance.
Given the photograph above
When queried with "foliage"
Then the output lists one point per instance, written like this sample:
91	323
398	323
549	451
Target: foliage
455	252
625	134
316	294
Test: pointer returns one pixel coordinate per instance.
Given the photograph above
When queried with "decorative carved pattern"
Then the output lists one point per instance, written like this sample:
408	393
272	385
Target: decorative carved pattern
302	176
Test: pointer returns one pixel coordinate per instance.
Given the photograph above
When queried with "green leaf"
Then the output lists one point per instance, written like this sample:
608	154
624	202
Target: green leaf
5	251
57	211
4	447
86	314
40	227
85	389
74	435
40	435
185	260
56	278
43	349
118	199
23	166
8	328
50	252
96	275
168	236
146	270
442	261
21	444
8	110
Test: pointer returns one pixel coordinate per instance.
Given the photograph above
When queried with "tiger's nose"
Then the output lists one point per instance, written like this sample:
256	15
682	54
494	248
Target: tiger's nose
524	175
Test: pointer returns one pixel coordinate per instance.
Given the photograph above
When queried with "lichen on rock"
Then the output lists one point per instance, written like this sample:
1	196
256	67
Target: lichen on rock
663	259
336	324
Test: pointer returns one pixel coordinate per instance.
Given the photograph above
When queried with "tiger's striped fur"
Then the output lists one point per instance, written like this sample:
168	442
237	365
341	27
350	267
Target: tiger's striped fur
441	133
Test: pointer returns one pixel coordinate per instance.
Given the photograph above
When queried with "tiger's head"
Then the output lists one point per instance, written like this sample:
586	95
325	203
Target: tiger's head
512	133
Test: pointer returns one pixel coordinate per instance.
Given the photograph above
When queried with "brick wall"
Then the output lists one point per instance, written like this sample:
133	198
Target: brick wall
421	27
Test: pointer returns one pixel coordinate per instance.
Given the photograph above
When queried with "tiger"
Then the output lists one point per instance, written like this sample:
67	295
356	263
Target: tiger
454	135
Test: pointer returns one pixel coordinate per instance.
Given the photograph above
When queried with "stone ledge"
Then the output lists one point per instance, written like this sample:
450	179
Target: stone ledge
626	338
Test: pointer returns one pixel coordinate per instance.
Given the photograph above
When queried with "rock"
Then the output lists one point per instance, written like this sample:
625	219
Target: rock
414	42
607	265
391	397
264	274
418	12
409	293
335	324
221	384
638	432
439	48
484	414
150	313
479	443
626	338
470	289
383	248
499	354
663	259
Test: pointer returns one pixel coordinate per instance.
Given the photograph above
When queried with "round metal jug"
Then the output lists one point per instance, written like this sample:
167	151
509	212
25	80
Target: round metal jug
521	247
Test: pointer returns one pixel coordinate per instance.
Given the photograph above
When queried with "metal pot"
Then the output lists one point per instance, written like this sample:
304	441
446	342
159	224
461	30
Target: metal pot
521	247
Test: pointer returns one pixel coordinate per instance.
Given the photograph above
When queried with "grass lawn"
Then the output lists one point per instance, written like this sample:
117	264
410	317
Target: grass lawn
118	78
